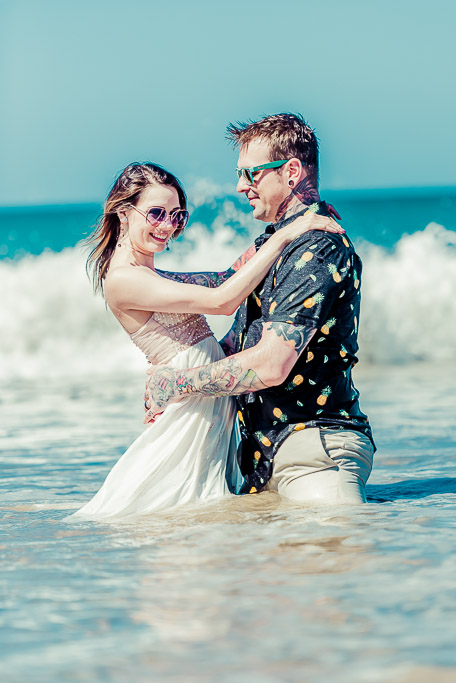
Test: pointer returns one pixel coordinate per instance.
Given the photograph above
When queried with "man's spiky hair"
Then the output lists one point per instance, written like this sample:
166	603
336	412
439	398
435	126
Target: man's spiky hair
288	135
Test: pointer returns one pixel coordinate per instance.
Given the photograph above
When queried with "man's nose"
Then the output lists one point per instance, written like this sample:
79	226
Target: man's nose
242	185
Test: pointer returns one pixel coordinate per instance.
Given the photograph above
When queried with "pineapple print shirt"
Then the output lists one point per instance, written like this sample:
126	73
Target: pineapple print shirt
314	284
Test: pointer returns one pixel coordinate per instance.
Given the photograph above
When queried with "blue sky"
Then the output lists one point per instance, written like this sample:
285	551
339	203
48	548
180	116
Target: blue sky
90	86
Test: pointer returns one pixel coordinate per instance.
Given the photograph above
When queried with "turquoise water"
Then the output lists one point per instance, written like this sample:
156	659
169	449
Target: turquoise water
381	217
250	588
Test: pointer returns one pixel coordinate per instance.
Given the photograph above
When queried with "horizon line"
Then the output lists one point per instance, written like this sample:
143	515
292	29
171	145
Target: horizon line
387	192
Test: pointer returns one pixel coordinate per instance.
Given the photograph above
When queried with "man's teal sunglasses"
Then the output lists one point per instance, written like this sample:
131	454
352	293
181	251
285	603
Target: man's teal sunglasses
247	173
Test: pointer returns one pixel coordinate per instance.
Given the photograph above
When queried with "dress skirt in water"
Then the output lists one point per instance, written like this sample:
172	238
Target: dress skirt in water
187	455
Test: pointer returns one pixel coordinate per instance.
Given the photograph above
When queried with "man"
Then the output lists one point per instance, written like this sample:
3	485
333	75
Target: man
293	344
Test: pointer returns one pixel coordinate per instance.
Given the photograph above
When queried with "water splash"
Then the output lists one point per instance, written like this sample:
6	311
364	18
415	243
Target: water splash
54	326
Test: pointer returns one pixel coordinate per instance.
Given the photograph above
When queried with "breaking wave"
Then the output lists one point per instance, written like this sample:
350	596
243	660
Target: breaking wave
54	326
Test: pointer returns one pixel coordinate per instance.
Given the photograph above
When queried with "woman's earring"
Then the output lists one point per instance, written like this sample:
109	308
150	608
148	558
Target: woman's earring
121	232
167	246
291	183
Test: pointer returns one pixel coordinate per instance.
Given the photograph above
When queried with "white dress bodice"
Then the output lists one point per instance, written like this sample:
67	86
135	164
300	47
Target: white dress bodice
164	335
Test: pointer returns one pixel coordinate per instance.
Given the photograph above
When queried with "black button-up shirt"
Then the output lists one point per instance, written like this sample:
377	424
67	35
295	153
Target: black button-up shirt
316	284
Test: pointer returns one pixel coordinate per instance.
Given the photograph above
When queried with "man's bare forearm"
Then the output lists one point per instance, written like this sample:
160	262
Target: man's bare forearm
227	377
244	372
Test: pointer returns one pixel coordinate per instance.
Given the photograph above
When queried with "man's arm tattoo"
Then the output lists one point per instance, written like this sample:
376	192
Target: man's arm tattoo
296	336
162	385
226	377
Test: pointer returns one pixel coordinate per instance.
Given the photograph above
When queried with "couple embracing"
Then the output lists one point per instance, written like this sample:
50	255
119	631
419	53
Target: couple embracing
283	371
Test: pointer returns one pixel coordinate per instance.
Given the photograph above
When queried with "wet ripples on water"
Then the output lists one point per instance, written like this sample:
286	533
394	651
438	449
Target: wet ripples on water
250	588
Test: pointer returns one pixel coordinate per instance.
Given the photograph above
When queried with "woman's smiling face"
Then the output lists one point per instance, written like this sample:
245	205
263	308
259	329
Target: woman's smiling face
143	235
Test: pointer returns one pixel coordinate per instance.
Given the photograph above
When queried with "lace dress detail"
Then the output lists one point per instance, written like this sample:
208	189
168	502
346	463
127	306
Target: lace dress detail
164	335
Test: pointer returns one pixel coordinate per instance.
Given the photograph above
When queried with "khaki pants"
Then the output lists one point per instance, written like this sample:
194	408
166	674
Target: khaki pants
323	466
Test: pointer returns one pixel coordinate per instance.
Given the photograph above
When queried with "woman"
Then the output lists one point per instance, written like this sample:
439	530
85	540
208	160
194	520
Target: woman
188	454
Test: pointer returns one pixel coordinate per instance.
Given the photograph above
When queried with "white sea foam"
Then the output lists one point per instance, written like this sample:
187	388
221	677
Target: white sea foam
204	190
52	324
409	298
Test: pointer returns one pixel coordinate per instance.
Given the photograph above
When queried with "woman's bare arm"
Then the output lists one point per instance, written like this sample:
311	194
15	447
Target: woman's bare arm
215	279
210	279
142	289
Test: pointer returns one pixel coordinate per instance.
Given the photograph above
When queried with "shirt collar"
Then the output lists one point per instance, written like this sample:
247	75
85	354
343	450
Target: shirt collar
273	227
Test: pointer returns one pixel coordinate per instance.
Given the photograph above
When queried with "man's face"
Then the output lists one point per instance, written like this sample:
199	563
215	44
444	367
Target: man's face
270	186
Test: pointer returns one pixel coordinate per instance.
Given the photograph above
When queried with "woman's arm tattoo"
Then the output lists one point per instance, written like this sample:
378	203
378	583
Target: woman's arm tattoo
210	279
213	279
246	256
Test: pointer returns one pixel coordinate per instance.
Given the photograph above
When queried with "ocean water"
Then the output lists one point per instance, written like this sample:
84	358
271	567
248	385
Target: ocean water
250	588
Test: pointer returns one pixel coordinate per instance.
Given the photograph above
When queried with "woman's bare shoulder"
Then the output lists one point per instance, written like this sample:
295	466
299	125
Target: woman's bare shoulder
121	279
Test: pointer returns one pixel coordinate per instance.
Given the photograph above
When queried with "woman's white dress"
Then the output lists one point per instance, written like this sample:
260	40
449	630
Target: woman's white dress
189	452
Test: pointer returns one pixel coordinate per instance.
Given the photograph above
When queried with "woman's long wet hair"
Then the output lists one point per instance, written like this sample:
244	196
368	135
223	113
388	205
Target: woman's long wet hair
125	193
